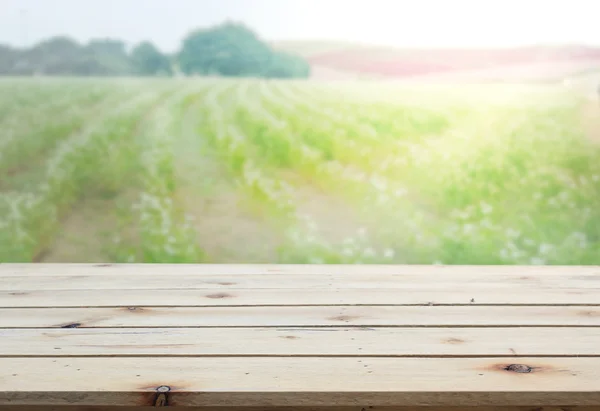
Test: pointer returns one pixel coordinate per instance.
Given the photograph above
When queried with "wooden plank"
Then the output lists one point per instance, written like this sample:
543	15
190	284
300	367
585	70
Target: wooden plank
244	297
53	270
300	381
174	280
430	316
432	342
349	408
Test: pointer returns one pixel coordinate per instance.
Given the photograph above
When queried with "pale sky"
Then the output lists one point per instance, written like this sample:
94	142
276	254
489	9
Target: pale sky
402	23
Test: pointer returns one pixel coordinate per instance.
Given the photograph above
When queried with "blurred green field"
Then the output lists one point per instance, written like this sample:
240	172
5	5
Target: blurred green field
227	171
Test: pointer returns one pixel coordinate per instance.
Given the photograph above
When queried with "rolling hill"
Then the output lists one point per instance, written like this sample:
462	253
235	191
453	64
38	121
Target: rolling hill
534	63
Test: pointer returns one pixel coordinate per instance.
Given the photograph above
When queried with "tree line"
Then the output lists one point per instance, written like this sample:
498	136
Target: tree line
228	49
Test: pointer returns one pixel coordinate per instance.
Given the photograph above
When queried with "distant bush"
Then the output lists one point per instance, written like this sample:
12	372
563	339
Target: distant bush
228	49
231	49
64	56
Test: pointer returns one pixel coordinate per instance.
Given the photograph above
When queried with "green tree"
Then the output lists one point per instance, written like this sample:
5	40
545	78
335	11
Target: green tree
147	60
232	49
107	57
284	65
229	49
9	59
64	56
53	56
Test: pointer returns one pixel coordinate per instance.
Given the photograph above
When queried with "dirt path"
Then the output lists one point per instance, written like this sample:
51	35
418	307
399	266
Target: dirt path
87	229
334	218
228	231
87	232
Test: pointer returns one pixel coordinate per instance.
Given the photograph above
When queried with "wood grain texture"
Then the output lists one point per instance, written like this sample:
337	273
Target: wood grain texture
288	269
406	282
343	338
361	316
350	408
423	342
452	295
299	381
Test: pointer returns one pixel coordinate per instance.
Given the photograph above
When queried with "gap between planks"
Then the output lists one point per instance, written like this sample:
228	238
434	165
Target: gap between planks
150	306
427	356
292	408
292	326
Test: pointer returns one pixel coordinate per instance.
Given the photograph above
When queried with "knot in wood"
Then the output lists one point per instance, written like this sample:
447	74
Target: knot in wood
71	325
520	368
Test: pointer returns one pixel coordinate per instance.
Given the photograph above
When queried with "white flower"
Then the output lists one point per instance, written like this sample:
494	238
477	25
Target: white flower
512	233
369	252
579	238
486	208
545	248
348	252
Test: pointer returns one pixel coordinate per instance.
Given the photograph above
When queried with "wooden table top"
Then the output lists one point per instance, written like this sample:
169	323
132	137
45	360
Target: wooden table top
290	336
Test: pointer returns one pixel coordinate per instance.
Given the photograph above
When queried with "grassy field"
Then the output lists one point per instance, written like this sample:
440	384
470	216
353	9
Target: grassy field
296	172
